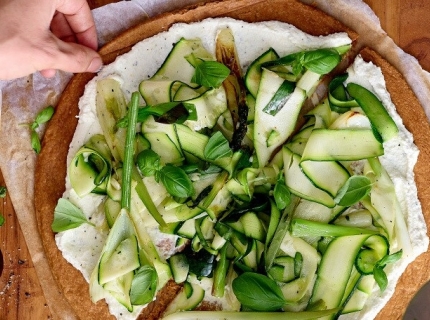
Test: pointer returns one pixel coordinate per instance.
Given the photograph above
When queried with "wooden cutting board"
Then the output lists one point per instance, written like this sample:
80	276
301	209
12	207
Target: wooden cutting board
21	296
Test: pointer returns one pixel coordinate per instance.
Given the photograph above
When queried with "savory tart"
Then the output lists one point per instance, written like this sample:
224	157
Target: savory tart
252	166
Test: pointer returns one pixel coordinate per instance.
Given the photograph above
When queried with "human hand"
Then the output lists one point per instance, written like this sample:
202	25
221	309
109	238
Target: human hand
46	35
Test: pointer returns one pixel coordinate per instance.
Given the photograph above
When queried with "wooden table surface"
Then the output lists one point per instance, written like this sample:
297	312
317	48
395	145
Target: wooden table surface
21	297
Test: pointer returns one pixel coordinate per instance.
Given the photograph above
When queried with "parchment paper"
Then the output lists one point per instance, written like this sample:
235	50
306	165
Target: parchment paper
23	98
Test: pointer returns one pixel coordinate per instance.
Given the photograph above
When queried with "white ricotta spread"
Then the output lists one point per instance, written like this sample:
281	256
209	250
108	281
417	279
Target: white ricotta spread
82	246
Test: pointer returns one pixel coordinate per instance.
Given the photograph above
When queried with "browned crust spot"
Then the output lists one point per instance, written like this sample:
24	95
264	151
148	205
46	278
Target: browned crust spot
209	306
164	297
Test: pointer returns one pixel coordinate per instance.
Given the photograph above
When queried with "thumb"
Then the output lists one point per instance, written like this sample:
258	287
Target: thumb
72	57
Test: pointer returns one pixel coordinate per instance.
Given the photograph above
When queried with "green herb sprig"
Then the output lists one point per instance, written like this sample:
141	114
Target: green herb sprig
210	74
67	216
379	273
320	61
42	117
174	179
3	192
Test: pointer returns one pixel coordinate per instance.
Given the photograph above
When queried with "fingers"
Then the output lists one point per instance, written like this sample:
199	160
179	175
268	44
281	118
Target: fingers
48	73
61	28
69	57
28	47
73	22
77	15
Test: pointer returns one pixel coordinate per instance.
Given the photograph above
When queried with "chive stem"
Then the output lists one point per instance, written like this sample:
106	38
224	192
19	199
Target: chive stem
303	228
129	151
220	273
232	315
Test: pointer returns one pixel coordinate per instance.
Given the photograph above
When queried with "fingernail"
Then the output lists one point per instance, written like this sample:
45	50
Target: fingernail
95	65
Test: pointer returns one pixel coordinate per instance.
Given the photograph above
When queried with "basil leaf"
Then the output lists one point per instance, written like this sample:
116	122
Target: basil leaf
35	142
390	258
148	162
297	64
378	271
380	278
217	147
176	181
355	189
284	61
34	126
210	74
44	115
143	286
67	216
281	193
321	61
258	292
3	192
144	112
